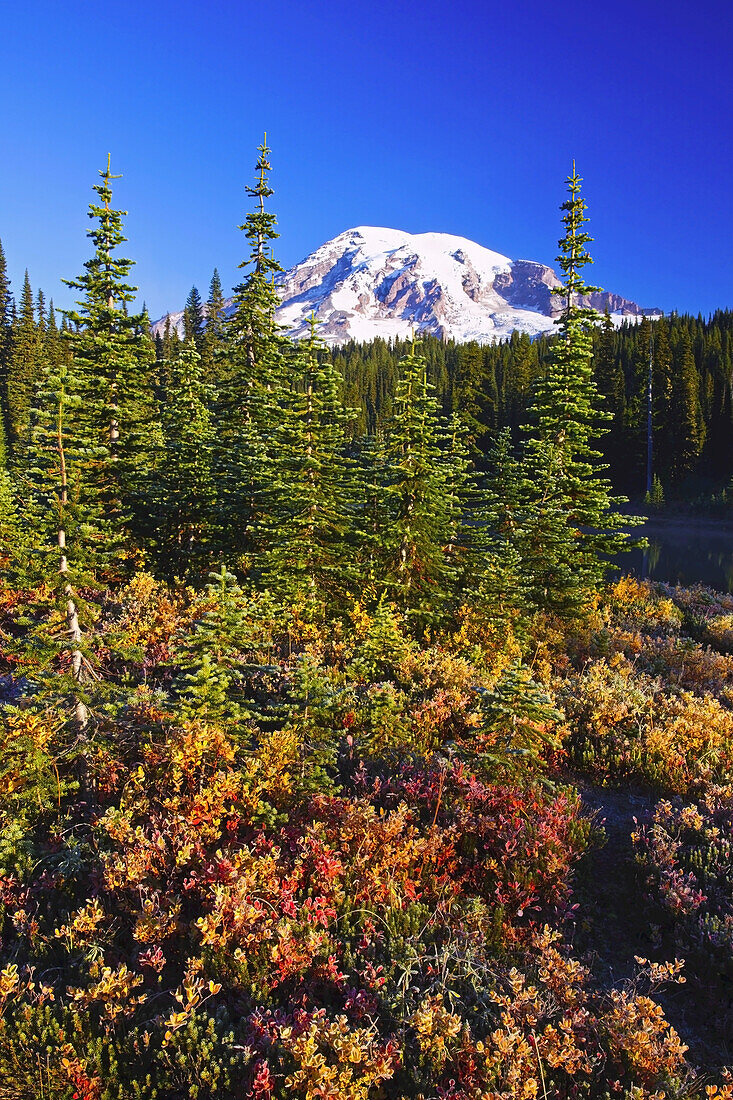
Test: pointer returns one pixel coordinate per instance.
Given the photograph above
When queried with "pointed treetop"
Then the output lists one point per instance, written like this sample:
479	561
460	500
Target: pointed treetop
573	254
313	323
259	227
107	173
26	301
5	294
102	281
104	190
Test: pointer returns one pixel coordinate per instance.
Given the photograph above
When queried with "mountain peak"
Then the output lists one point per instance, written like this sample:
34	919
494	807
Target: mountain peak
372	281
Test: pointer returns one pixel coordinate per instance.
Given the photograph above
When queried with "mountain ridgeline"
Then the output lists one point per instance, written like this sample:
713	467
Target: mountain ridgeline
486	324
370	283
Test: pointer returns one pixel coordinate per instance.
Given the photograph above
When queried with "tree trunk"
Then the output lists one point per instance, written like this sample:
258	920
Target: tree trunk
81	712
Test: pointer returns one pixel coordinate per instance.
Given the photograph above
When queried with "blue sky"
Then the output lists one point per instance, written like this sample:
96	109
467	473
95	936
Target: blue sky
457	116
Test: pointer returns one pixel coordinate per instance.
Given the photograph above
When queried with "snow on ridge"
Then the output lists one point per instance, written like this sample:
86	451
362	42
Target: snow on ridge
372	281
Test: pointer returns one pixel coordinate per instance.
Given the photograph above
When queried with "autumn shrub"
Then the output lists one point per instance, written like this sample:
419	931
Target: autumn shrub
684	663
549	1035
295	861
621	724
514	846
542	1030
642	605
685	856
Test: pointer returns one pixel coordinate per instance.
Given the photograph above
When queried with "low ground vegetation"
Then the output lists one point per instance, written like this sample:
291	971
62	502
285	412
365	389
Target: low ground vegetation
246	892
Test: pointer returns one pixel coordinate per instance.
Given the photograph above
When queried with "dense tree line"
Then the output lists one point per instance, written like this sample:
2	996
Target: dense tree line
488	387
235	446
492	385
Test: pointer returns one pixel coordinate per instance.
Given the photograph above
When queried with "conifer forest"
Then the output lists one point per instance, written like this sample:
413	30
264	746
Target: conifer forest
338	758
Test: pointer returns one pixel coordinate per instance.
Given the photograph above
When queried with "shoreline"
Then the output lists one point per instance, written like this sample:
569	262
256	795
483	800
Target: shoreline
686	524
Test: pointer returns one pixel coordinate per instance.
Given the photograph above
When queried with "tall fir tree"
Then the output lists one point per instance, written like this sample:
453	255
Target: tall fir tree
525	369
417	567
24	370
253	376
308	556
112	357
252	329
69	529
193	319
6	316
609	378
370	519
572	520
185	483
41	317
214	333
686	410
9	516
5	294
171	340
496	582
55	350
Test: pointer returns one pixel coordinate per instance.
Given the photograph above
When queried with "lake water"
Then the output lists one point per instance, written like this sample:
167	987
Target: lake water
685	551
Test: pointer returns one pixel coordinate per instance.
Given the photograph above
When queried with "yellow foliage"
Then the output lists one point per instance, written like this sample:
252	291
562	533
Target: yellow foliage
335	1061
437	1028
114	989
82	927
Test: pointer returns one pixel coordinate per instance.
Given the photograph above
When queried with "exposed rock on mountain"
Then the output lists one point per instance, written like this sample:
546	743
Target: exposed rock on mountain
370	282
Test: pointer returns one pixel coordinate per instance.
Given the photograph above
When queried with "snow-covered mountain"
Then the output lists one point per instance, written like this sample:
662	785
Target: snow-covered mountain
370	282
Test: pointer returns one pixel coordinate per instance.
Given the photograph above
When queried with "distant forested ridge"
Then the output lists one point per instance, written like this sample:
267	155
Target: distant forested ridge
488	386
491	386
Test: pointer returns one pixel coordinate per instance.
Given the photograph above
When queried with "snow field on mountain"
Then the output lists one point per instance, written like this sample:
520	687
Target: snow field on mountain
372	281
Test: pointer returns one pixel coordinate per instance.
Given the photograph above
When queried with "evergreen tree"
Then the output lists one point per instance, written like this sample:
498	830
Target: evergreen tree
67	525
5	293
609	378
474	393
520	379
309	500
655	497
11	548
251	329
510	369
24	370
209	659
41	313
252	378
9	518
54	350
496	581
459	475
686	411
370	511
635	441
186	482
214	333
193	319
604	363
112	356
6	315
571	523
171	340
420	505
